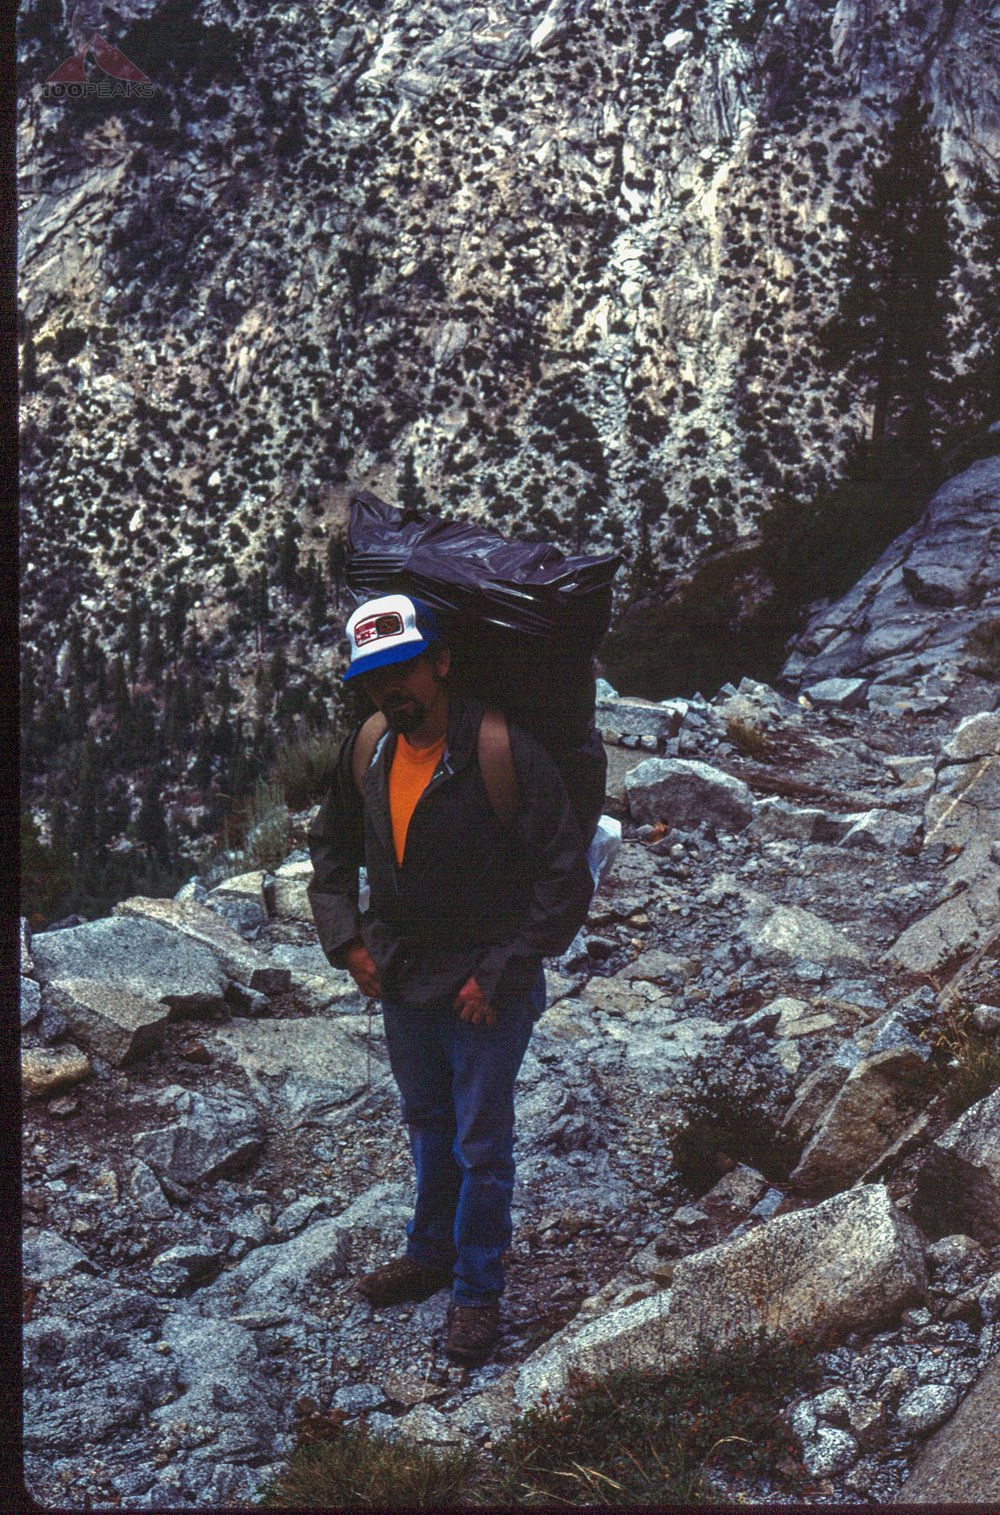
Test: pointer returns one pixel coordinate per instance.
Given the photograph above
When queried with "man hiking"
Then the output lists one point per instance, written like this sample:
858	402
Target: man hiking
464	905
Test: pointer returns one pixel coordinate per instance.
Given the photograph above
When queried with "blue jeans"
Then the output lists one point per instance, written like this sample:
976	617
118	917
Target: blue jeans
456	1083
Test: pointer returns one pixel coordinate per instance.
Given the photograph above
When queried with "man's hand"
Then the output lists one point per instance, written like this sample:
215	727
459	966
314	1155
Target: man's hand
362	967
472	1005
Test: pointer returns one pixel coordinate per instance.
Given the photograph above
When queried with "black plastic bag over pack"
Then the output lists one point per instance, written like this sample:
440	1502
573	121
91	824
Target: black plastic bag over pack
523	621
464	570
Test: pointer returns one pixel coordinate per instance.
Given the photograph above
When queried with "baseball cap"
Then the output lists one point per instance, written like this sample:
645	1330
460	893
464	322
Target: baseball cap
391	629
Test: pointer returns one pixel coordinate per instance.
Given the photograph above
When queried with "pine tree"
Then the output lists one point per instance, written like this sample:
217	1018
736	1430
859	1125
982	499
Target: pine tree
287	569
176	620
336	562
412	495
890	335
118	692
317	600
278	669
981	383
155	656
77	704
134	621
224	692
151	822
88	822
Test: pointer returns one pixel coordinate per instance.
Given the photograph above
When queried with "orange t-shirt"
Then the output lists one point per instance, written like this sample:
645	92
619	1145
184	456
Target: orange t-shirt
411	771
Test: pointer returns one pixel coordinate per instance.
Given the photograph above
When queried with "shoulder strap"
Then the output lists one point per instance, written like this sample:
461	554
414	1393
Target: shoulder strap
368	737
496	764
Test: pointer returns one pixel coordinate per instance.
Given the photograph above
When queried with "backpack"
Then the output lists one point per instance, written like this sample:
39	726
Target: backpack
496	761
523	622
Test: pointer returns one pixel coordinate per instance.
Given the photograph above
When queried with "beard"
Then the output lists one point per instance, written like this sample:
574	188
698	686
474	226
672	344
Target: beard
403	716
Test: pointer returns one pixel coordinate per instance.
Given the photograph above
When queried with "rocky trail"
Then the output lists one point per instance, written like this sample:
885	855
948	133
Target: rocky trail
806	906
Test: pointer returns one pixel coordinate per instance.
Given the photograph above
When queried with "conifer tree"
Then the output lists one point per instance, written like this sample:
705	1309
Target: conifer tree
77	703
176	620
134	620
224	692
151	822
287	569
118	692
155	655
87	827
890	335
412	495
336	562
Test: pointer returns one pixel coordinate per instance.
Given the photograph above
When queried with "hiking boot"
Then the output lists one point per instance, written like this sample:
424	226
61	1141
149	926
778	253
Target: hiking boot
472	1331
402	1279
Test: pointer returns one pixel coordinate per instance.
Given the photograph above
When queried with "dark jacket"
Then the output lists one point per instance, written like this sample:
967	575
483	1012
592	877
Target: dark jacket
471	896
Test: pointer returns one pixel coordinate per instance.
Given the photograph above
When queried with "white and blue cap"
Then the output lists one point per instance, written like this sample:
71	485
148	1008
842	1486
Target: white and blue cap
391	629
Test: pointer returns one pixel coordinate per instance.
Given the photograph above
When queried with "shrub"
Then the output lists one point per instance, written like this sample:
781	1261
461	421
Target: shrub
747	738
973	1067
732	1107
303	768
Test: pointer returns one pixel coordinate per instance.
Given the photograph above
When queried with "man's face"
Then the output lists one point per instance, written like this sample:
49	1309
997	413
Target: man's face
405	692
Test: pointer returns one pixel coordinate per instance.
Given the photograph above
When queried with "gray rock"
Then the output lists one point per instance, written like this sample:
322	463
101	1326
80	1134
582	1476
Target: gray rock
27	964
937	586
296	1215
959	1184
312	1066
852	1261
226	1387
143	959
687	795
46	1255
812	1099
30	1002
926	1408
174	1270
114	983
629	717
828	1451
956	534
108	1018
778	934
778	820
273	1276
197	923
353	1399
206	1137
977	736
875	1105
986	1018
93	1375
883	831
959	1464
836	694
147	1194
44	1070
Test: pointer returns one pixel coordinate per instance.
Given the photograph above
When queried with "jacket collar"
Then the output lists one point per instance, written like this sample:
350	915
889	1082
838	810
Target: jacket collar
464	716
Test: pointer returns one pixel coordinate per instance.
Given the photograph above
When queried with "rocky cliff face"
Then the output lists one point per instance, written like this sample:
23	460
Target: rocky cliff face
575	259
789	980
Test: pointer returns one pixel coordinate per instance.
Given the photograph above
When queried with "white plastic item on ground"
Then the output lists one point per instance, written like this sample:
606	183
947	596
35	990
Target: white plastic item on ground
605	844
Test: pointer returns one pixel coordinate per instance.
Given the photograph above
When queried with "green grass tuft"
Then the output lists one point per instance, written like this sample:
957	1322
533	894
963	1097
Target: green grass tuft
650	1438
348	1468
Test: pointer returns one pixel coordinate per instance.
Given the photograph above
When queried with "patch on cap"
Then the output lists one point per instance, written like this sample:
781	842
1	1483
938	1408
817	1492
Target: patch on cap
391	629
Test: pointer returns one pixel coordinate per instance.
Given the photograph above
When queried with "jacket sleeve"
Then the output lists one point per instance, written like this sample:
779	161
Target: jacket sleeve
337	850
561	887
